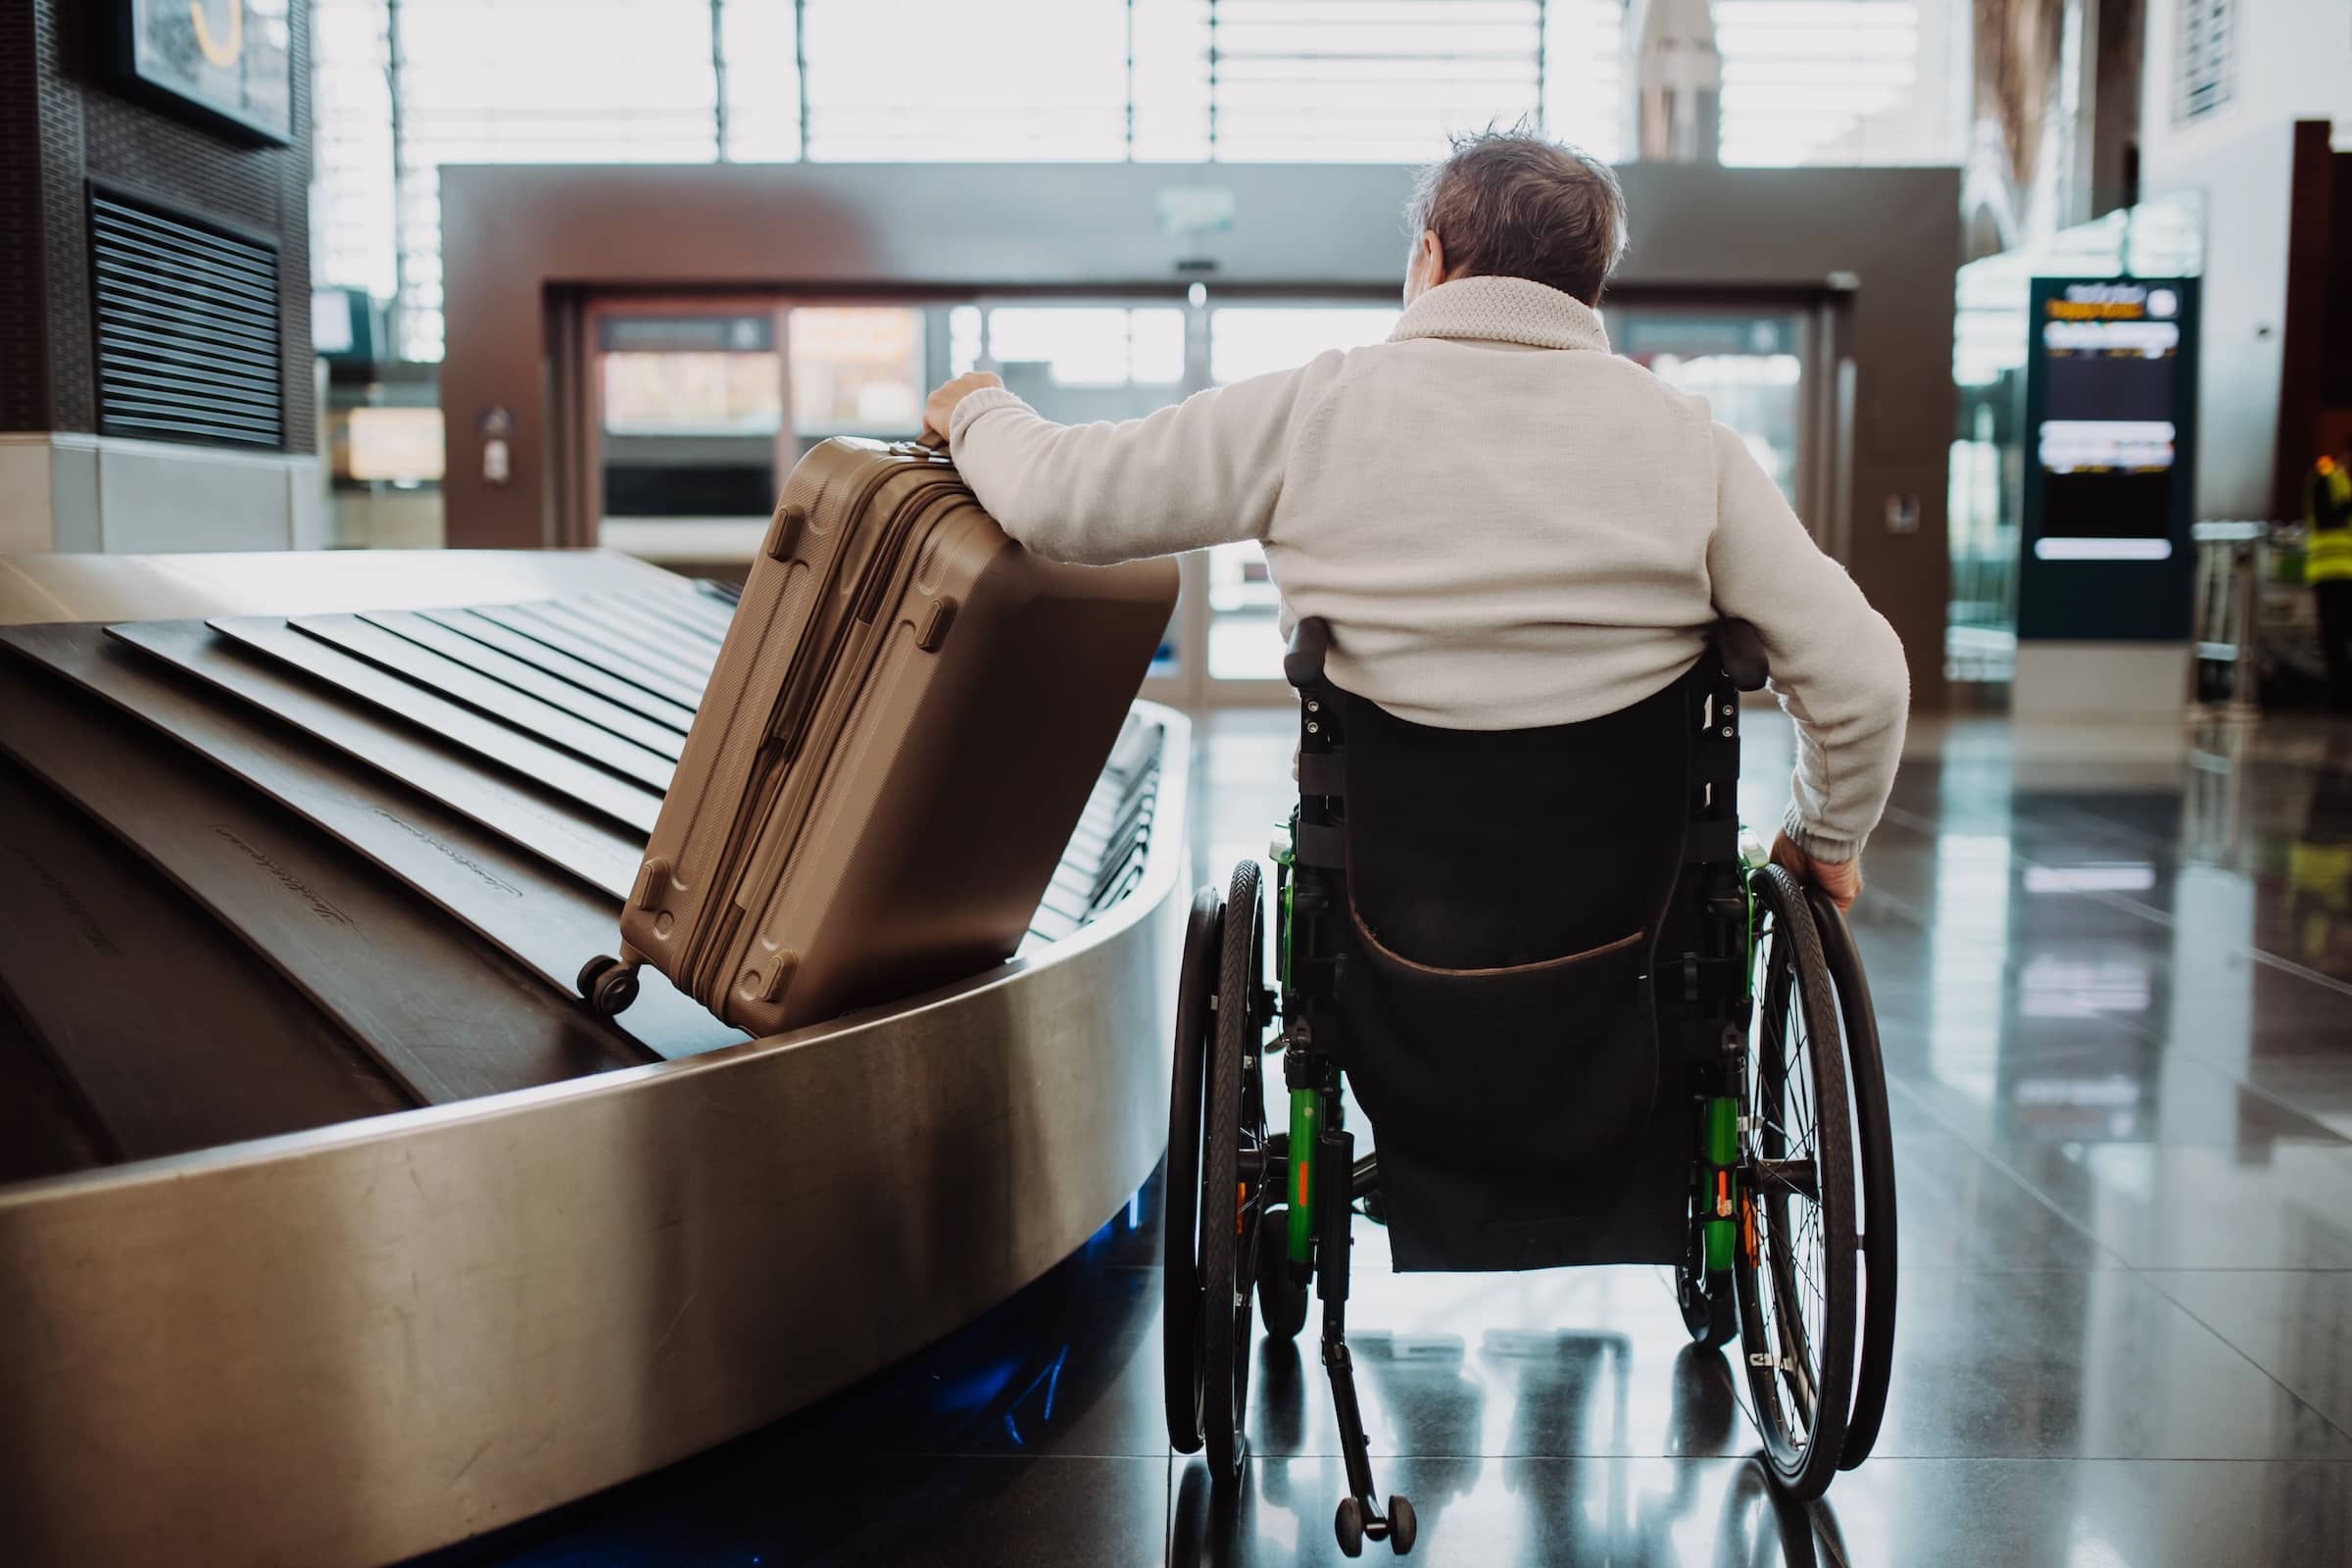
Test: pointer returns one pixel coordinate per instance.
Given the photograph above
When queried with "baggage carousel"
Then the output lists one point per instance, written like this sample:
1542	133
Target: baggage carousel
332	1226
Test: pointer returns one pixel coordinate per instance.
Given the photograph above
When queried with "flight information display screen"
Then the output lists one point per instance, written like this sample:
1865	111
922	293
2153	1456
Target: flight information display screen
2111	407
2106	434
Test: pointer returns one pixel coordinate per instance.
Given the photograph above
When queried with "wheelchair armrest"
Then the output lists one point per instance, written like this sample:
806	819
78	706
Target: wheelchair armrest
1302	663
1741	649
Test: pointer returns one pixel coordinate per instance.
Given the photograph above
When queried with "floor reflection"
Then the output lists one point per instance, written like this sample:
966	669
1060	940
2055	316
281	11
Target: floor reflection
2114	972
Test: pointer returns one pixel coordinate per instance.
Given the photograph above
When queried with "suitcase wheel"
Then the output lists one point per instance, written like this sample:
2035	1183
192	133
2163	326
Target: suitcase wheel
608	984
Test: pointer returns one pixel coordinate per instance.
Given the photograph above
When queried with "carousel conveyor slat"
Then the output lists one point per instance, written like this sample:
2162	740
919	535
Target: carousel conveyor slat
493	698
174	1035
549	824
629	805
449	1017
645	615
541	919
481	628
522	676
657	669
694	612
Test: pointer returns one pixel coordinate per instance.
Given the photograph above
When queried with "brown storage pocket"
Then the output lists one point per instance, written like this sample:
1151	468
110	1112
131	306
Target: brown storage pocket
1528	1070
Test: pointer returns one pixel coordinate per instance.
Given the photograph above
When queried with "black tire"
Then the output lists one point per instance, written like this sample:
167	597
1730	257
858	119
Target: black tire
1281	1304
1711	1316
1180	1321
1874	1144
590	972
1229	1250
1403	1528
1348	1524
615	990
1797	1281
1710	1305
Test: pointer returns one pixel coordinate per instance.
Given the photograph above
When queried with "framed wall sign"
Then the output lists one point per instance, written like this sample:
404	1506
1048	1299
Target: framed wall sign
228	62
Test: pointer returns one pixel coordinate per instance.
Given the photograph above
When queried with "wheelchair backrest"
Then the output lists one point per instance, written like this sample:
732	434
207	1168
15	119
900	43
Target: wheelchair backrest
1477	848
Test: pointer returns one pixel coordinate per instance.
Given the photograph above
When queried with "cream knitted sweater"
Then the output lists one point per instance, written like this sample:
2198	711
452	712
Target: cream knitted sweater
1505	525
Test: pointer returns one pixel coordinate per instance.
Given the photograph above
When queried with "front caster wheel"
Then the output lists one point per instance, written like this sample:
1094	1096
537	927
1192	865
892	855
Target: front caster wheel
1711	1316
609	985
1280	1304
1348	1524
1402	1526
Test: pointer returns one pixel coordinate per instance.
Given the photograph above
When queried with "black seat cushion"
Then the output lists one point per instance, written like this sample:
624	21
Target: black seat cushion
1506	891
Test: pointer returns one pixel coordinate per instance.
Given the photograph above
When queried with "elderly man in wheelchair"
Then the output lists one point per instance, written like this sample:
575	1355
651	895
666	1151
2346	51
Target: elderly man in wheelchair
1525	584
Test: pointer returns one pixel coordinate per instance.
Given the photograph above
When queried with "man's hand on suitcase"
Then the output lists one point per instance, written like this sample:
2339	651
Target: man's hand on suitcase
1841	880
939	410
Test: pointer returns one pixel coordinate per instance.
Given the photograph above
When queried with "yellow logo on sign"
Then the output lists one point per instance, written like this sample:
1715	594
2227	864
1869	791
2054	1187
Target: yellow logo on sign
219	54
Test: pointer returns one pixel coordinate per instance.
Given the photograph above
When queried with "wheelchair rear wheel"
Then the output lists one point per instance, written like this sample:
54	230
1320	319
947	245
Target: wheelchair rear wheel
1180	1326
1797	1259
1234	1123
1874	1145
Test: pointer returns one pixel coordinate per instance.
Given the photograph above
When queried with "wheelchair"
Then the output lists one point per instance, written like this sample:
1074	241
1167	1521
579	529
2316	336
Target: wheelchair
1696	1084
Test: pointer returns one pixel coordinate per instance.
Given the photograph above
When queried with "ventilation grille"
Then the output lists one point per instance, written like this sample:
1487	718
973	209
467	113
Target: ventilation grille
187	330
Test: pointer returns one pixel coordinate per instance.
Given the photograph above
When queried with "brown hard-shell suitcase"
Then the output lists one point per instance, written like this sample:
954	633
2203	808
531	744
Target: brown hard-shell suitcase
901	729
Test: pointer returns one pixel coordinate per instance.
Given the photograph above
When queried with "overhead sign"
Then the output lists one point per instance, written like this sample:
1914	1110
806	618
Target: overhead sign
230	61
687	334
2110	412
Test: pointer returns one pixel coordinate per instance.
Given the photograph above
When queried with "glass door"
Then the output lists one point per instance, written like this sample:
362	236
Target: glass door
701	406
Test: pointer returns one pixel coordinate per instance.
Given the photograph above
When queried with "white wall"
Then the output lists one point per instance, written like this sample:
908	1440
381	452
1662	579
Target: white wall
69	492
2294	61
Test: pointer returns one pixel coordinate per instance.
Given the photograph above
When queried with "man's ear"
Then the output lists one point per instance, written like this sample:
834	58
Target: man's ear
1435	249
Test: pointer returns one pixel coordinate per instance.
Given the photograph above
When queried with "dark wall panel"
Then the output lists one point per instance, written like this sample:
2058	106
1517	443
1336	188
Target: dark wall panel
69	128
24	310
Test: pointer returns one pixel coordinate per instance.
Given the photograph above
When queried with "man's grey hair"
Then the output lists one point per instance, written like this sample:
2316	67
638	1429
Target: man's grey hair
1510	204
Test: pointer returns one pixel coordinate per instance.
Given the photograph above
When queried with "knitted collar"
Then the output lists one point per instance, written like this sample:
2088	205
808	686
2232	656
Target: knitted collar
1503	310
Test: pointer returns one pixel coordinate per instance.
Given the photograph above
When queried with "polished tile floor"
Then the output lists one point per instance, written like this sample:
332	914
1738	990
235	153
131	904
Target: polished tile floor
2114	974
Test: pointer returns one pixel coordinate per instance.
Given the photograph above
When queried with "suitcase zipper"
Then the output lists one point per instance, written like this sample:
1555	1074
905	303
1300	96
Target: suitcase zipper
757	779
707	963
797	793
790	794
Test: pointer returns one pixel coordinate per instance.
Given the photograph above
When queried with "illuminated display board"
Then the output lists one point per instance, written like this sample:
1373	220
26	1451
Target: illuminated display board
230	62
2109	415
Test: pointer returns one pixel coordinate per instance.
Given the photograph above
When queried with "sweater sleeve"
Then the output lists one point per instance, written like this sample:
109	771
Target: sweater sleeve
1837	665
1204	471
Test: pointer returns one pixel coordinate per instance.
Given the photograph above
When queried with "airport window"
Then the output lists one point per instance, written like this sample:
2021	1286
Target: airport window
1371	82
1088	345
692	393
1833	81
404	86
857	370
759	85
936	80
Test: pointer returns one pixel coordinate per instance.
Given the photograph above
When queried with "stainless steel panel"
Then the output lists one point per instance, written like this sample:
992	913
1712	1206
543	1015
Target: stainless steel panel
406	1330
